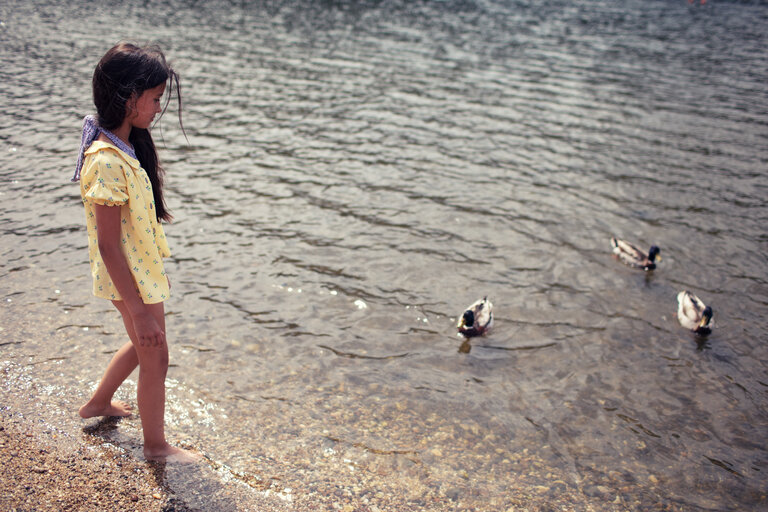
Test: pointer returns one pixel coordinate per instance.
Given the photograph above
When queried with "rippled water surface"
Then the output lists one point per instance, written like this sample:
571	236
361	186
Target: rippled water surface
356	173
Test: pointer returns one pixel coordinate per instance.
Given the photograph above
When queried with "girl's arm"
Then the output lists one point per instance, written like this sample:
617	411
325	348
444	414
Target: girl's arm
145	326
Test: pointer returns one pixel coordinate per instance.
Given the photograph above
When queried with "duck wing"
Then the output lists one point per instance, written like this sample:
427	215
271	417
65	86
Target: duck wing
484	314
690	309
626	250
629	254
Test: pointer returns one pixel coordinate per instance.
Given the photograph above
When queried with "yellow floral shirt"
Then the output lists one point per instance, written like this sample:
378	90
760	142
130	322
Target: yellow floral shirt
112	178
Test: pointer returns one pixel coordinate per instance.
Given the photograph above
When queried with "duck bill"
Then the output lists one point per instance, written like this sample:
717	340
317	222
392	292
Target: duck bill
704	322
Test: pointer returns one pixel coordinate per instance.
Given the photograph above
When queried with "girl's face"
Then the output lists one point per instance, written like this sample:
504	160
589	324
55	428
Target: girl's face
142	112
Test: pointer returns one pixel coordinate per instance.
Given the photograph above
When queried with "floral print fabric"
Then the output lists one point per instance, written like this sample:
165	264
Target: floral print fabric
110	177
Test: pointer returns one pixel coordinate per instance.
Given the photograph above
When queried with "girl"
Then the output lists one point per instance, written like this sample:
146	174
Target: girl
122	190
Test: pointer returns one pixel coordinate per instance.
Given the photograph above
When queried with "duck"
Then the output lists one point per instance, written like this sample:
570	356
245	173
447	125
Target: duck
693	314
477	319
633	256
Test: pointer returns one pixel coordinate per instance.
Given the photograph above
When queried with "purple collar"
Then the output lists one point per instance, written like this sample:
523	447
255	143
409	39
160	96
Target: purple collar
91	130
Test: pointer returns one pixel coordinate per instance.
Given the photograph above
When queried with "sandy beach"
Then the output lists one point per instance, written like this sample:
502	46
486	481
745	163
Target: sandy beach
39	473
50	469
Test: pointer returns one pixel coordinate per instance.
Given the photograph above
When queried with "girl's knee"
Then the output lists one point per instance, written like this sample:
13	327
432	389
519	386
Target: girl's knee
154	360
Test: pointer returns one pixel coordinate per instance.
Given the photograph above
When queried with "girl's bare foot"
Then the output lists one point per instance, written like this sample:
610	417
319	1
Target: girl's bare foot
170	453
116	408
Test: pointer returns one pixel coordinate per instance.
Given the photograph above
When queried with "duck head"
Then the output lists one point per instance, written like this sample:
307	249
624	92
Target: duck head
706	317
467	320
653	257
653	253
703	327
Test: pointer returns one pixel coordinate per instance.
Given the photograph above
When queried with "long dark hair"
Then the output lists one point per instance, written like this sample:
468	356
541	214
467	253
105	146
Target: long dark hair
126	71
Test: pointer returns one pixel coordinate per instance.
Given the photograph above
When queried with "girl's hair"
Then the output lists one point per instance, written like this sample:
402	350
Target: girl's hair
122	74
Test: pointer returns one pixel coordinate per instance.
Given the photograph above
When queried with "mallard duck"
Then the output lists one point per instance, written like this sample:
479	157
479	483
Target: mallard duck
633	256
692	313
477	318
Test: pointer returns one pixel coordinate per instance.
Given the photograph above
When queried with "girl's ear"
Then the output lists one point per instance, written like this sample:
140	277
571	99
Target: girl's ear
130	105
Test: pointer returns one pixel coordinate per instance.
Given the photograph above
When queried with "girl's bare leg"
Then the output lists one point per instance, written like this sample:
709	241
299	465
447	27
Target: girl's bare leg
120	367
153	367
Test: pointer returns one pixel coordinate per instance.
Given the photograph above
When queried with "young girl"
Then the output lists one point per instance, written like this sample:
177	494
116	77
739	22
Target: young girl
122	190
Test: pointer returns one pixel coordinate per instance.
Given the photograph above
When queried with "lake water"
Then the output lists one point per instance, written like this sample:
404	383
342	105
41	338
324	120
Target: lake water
356	173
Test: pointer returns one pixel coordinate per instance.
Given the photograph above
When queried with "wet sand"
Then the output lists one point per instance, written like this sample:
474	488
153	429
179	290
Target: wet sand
39	473
49	469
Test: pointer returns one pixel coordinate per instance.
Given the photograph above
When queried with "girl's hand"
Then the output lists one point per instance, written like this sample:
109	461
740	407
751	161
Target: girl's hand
148	331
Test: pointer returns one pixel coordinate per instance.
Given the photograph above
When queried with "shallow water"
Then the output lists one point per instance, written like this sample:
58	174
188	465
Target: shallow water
356	174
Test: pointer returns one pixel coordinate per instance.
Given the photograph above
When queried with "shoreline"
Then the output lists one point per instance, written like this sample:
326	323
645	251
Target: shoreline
50	469
39	472
45	469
